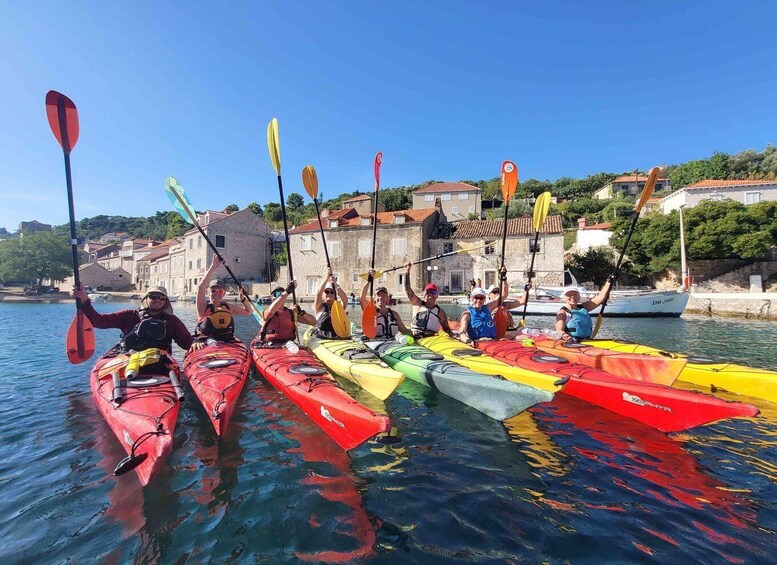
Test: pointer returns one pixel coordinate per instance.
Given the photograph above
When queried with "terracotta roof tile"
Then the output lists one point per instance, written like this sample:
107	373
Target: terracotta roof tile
360	197
446	187
630	178
597	227
493	228
353	219
712	183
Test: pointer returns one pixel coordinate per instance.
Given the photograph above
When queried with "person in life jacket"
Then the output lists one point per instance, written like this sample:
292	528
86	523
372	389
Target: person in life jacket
328	292
279	325
215	318
153	325
573	319
477	321
389	322
428	317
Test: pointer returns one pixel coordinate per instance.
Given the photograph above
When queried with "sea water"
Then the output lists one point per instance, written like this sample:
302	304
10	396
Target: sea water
564	481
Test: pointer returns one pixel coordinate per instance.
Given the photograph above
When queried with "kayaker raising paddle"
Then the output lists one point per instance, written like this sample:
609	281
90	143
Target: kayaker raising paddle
153	325
215	319
428	317
389	322
328	292
477	321
573	319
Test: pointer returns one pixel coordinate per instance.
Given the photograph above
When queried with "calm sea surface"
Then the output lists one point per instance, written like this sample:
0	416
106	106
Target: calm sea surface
565	481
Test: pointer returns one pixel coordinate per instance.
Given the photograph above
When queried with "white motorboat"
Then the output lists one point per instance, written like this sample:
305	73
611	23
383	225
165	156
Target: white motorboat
99	297
655	303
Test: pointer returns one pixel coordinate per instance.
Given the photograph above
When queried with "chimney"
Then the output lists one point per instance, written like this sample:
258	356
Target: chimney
581	223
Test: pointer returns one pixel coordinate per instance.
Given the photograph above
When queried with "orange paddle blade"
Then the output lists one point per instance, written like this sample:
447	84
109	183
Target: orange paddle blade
501	321
80	339
509	180
340	321
370	320
650	184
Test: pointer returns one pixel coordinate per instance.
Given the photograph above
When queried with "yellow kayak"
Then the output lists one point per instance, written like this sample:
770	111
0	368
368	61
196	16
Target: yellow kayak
707	373
473	358
354	361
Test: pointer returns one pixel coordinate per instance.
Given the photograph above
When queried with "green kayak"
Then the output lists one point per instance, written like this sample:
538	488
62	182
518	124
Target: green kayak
490	394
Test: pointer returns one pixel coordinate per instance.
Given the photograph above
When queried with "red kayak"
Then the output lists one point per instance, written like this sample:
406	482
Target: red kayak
661	407
141	411
649	369
306	382
217	374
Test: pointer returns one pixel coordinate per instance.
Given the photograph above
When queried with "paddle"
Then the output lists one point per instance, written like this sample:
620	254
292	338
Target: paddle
274	148
650	184
509	183
63	120
339	319
427	259
541	208
370	314
184	207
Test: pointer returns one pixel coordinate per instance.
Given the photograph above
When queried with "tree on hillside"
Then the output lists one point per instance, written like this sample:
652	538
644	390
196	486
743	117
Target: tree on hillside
177	226
294	201
231	209
5	234
594	265
396	199
42	255
256	209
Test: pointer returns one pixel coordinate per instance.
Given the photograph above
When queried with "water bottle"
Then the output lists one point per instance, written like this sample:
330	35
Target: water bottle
404	339
534	332
210	341
292	347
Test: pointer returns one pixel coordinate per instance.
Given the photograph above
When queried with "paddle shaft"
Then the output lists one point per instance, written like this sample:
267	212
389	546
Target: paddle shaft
288	243
71	210
440	256
620	259
531	269
374	234
323	237
504	243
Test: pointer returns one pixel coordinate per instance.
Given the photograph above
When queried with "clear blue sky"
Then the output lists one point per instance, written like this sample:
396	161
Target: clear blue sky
447	90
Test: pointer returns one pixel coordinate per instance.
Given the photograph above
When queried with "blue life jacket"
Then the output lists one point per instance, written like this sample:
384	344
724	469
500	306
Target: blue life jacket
481	324
579	323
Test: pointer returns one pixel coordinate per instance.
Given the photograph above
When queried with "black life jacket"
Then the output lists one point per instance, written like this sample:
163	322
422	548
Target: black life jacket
217	323
387	325
150	331
324	327
279	328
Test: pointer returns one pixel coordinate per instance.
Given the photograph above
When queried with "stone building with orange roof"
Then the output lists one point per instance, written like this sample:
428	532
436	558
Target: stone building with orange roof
743	191
458	200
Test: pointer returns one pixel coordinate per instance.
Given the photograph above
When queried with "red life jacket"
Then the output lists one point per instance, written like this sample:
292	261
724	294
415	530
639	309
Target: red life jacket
280	327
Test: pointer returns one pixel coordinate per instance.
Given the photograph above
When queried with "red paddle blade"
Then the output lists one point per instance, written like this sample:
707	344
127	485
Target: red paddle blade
63	119
80	339
378	161
509	180
501	321
370	320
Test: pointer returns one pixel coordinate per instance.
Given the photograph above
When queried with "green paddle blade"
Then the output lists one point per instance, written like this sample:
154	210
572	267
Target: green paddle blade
180	201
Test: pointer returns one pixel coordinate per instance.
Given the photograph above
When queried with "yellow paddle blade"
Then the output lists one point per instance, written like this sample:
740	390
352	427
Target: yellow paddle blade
541	208
310	181
366	276
650	184
598	325
370	320
509	180
340	322
273	146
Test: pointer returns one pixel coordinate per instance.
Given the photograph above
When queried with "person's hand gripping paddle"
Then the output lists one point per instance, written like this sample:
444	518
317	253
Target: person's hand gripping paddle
509	182
63	120
339	319
370	314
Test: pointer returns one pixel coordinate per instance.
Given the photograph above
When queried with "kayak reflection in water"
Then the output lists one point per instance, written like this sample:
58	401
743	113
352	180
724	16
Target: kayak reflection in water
389	322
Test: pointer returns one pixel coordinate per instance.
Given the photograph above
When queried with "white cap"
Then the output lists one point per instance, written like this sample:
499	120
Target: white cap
493	289
478	292
570	290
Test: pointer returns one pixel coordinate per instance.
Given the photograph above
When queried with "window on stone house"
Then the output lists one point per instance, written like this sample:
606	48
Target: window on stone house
199	241
471	209
531	246
463	196
191	243
307	243
199	263
355	277
312	284
398	246
221	241
454	209
365	247
752	198
429	197
447	247
399	219
190	265
445	197
334	249
489	250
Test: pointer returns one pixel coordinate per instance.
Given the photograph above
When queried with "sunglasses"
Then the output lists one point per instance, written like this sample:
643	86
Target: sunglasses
216	289
478	297
329	291
156	296
431	292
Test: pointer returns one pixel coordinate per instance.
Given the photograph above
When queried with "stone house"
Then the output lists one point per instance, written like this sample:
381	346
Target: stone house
630	185
29	228
242	238
362	204
97	276
106	255
131	250
457	199
595	235
176	285
114	236
401	236
454	273
743	191
147	270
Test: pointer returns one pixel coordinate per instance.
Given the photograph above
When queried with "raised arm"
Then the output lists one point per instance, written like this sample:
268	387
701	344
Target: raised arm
599	298
411	296
363	297
340	293
245	308
319	301
202	290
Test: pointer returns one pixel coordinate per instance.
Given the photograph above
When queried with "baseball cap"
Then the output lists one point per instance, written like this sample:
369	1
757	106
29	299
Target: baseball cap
431	286
216	282
478	292
381	289
493	289
570	290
